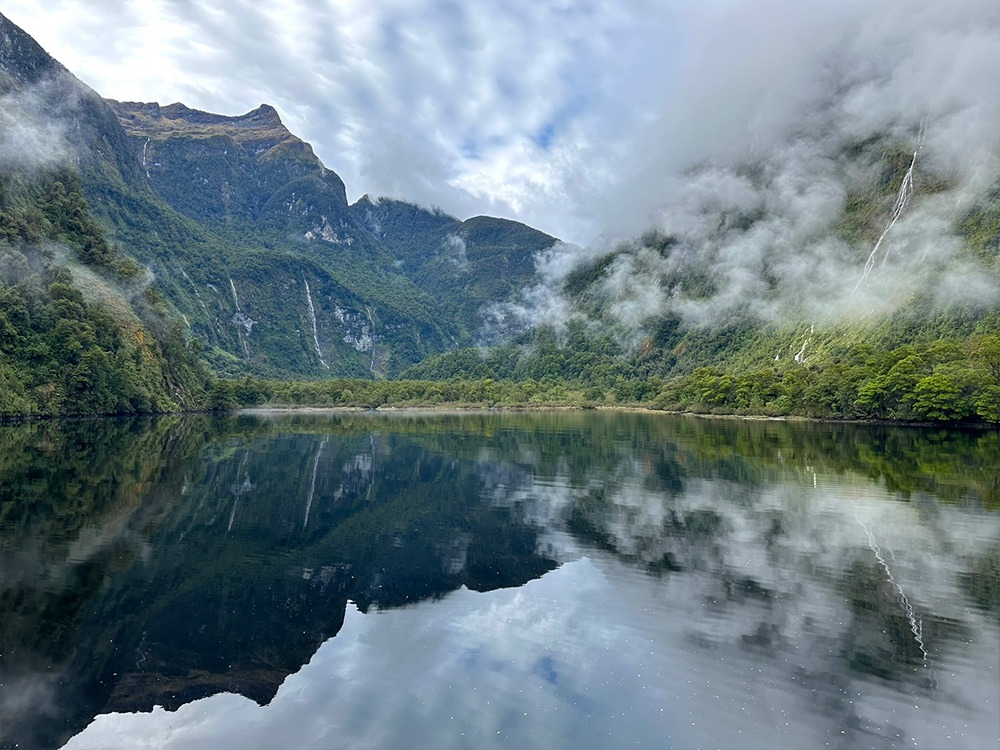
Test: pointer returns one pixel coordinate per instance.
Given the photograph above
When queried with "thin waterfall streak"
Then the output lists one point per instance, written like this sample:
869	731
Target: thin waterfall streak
312	319
801	356
903	197
235	298
371	320
241	321
312	486
371	481
232	515
197	294
974	178
239	489
916	625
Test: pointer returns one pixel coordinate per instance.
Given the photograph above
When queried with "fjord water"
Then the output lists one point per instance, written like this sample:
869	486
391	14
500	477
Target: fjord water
549	580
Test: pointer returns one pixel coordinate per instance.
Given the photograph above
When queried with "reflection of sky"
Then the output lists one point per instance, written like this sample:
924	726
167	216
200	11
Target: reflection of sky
593	655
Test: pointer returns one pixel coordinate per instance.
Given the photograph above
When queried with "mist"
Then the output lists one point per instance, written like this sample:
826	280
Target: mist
786	118
30	139
35	125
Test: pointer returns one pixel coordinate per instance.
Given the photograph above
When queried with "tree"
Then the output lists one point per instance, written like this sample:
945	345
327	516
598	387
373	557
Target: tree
985	351
942	397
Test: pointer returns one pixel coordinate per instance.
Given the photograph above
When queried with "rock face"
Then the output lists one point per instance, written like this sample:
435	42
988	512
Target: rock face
413	281
215	168
249	173
210	204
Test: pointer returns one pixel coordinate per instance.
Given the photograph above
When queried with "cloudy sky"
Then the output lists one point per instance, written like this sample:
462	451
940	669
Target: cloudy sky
520	109
566	114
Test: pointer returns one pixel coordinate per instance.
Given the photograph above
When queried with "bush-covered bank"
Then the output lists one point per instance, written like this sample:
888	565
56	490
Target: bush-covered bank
939	382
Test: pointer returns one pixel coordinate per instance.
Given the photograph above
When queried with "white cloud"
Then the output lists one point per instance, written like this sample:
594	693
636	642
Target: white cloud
597	648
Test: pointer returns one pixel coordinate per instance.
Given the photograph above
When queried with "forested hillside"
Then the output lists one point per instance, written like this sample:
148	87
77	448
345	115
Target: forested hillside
468	266
80	332
656	320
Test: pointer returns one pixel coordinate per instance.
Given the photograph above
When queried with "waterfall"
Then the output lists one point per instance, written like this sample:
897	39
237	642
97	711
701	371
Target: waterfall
801	356
371	320
974	179
197	294
144	145
902	201
239	489
312	319
903	197
244	322
235	298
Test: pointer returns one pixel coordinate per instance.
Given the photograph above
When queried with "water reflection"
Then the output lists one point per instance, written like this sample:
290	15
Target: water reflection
498	580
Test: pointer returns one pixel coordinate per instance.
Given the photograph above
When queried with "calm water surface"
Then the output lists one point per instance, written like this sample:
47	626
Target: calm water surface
578	580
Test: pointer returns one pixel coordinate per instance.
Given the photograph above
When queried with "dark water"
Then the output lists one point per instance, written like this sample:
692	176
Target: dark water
579	580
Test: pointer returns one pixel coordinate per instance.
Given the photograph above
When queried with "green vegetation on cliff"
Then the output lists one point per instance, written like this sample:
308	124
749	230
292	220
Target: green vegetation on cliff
79	331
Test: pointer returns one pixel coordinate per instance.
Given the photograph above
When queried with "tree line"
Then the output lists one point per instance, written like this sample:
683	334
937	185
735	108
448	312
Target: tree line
944	381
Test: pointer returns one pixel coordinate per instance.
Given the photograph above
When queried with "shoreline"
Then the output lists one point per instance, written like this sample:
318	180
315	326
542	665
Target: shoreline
456	410
461	409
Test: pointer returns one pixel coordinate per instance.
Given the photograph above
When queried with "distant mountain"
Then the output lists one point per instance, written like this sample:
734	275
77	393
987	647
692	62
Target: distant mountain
812	267
281	279
226	599
466	265
221	170
412	281
884	304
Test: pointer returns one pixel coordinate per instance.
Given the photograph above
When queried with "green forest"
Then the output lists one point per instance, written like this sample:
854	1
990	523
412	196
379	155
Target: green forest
941	382
80	330
126	288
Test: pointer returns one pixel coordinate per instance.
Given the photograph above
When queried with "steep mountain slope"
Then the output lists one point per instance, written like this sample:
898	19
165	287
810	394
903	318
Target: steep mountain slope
219	169
80	330
218	607
886	306
288	283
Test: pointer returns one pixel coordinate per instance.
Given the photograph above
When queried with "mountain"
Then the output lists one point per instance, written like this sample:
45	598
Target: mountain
259	252
826	272
223	170
246	237
223	599
884	305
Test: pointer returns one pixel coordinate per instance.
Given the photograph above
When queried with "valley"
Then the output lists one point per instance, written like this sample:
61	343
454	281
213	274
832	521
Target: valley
228	246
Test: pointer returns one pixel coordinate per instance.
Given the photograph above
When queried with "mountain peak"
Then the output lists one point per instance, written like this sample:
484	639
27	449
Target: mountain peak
264	112
150	119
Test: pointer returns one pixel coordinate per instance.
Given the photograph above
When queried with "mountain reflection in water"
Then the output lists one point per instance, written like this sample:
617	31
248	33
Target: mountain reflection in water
497	580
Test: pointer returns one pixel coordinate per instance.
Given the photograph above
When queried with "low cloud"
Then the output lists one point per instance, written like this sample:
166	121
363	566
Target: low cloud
454	251
29	138
732	127
756	171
